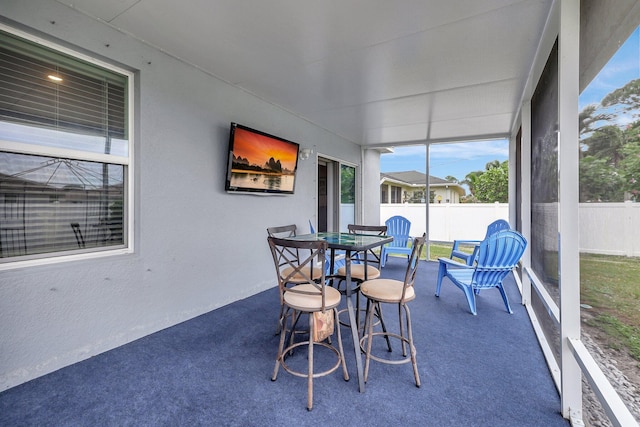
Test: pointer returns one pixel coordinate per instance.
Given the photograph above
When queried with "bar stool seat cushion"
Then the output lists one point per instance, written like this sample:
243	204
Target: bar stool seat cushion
313	300
386	290
357	272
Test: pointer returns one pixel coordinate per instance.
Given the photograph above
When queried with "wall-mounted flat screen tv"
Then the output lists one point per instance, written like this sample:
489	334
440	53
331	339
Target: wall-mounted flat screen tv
260	163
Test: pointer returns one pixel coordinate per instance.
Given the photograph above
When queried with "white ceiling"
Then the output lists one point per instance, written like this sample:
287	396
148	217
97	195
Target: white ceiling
376	72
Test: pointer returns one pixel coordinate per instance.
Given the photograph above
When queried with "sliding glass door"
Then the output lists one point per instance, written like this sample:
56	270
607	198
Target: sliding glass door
336	195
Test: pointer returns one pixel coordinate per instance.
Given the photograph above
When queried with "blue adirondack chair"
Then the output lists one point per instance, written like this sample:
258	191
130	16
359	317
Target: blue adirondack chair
469	258
398	227
498	255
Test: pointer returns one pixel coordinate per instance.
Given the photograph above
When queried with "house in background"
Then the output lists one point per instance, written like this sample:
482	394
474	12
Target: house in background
409	187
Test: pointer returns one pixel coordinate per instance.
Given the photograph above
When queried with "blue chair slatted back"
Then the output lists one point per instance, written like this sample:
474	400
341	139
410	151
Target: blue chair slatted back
398	227
495	226
497	256
469	259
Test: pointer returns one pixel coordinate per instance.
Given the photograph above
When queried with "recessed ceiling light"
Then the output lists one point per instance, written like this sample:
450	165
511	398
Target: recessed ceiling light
54	78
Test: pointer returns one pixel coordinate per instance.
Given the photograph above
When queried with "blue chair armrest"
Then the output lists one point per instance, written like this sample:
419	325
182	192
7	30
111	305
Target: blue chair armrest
452	263
467	257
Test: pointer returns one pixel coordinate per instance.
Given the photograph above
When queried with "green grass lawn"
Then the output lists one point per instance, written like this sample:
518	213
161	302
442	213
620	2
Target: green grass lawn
444	250
610	285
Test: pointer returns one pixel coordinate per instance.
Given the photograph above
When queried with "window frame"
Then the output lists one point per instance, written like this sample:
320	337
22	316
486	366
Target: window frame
42	150
395	194
384	188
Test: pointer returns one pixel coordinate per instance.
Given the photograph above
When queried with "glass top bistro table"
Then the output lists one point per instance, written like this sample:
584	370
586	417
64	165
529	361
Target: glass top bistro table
351	244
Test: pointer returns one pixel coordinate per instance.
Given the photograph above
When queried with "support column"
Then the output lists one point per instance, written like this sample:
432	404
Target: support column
568	207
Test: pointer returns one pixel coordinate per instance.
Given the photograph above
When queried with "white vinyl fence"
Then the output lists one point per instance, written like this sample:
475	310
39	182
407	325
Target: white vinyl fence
605	228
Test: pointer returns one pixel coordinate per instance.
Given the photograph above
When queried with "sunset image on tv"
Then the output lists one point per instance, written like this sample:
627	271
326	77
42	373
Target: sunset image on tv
262	162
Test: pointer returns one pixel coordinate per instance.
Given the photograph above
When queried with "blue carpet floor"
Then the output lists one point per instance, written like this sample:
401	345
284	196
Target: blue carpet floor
484	370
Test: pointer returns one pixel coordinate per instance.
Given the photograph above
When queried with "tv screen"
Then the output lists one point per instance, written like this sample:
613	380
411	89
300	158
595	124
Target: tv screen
260	163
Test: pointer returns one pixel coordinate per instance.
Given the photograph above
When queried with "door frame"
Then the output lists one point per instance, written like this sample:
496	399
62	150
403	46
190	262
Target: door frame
330	187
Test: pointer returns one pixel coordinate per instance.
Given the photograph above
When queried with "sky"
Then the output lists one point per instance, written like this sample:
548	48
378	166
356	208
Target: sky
459	159
455	160
623	67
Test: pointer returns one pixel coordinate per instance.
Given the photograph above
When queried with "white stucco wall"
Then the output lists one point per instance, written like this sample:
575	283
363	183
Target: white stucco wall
197	248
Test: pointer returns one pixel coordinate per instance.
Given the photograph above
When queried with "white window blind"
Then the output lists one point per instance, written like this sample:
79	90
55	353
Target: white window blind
64	153
396	194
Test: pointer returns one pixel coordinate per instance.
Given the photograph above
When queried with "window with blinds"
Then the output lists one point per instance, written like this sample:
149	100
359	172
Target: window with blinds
64	153
396	194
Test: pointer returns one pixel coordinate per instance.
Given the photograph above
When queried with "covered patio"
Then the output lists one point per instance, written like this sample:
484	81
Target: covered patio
170	323
484	370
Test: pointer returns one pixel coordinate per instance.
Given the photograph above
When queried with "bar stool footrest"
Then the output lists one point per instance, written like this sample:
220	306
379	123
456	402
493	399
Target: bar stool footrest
284	365
405	358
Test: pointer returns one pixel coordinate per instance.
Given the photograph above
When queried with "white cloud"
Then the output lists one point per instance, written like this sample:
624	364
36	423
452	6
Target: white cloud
459	150
471	150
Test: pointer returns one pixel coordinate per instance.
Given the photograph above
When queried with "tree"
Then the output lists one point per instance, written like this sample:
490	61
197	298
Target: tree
620	106
489	187
493	184
469	198
492	164
347	184
587	118
470	180
606	143
630	170
599	181
624	100
610	149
